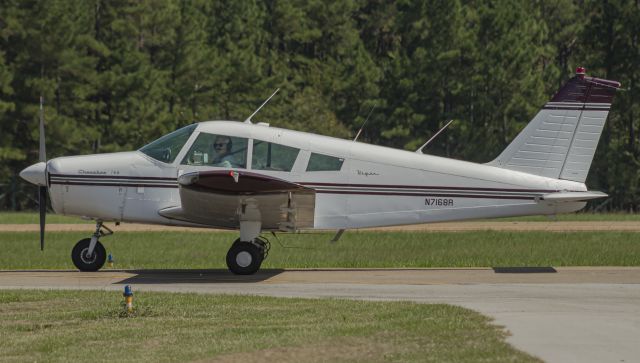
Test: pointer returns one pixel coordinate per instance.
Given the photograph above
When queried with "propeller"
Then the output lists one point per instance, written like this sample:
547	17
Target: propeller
42	189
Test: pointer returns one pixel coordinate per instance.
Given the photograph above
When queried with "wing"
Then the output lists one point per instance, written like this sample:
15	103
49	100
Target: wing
221	198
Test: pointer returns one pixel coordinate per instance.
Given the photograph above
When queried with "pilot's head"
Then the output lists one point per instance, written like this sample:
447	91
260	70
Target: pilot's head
222	145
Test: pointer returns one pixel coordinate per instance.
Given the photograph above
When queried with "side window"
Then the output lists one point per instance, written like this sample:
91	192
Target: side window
319	162
217	150
270	156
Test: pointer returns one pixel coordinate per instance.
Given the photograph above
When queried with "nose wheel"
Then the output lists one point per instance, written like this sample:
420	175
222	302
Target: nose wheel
89	254
86	261
245	258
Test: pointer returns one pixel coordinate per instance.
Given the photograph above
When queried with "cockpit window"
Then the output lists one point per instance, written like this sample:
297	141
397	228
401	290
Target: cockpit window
319	162
270	156
217	150
167	147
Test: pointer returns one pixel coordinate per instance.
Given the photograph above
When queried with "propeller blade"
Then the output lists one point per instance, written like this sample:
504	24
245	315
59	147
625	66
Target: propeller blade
42	201
43	153
42	190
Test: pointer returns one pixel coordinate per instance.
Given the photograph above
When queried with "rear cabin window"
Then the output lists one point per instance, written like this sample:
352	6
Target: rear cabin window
319	162
217	150
271	156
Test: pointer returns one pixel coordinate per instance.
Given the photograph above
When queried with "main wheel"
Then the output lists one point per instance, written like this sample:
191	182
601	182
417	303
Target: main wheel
244	258
88	263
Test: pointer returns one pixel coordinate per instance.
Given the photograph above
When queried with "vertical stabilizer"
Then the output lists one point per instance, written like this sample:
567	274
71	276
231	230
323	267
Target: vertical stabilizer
562	138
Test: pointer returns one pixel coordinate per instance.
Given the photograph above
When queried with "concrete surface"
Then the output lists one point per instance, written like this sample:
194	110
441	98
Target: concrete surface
587	314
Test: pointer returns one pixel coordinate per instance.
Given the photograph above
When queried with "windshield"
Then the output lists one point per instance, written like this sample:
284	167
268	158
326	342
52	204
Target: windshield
166	148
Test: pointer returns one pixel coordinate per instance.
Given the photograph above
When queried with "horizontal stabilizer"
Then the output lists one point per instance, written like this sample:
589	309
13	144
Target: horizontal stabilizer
572	196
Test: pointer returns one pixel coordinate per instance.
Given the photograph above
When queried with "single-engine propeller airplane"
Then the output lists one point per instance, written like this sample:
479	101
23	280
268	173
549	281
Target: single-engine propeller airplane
257	178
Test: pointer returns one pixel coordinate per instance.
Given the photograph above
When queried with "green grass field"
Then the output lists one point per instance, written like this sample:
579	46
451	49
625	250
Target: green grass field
32	218
577	217
81	326
143	250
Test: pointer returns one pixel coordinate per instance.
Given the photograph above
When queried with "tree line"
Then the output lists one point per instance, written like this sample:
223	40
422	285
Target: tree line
116	74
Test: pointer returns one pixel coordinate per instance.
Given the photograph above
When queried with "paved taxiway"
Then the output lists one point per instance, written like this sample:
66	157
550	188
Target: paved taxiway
575	314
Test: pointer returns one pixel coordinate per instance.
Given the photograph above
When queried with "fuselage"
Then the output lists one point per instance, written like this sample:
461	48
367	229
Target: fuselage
357	185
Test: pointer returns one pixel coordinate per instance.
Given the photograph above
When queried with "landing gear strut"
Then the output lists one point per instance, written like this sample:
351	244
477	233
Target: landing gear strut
89	254
245	258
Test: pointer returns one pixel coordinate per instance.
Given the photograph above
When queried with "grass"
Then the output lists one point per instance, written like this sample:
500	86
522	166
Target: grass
577	217
69	326
187	250
33	217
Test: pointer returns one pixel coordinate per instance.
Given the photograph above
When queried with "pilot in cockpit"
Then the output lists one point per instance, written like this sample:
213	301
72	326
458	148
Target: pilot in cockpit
217	150
222	152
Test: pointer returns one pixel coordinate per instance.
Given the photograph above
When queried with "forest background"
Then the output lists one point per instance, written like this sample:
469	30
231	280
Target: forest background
117	74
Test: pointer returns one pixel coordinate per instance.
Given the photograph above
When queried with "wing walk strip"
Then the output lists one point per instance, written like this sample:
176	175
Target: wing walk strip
323	188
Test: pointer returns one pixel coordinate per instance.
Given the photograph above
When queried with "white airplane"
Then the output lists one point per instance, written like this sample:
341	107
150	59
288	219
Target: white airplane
257	178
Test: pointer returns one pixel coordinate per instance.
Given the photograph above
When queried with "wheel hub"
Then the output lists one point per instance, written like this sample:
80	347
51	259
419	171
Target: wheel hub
86	258
243	259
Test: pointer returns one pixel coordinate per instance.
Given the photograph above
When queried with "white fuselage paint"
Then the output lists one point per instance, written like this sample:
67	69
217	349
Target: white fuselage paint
377	186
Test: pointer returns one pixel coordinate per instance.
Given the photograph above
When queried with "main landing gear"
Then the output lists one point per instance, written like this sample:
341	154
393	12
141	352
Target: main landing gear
245	258
247	253
89	254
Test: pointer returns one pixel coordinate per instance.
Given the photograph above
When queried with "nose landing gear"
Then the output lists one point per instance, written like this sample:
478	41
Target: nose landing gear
89	254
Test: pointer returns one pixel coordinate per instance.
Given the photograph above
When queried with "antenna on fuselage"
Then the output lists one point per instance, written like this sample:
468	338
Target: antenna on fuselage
365	122
248	120
419	151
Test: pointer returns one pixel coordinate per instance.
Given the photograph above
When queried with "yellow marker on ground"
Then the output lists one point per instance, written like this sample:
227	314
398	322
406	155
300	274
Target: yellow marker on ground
128	298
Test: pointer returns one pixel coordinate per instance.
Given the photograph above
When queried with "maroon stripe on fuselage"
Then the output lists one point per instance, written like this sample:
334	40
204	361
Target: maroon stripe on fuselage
107	184
405	188
105	176
425	187
422	195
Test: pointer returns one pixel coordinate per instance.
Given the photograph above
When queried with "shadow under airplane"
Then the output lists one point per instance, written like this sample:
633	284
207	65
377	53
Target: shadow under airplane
161	276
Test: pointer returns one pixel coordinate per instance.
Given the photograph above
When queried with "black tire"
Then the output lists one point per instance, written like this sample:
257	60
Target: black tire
244	258
80	260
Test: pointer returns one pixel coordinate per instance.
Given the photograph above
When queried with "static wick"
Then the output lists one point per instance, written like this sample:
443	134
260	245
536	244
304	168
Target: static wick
128	298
